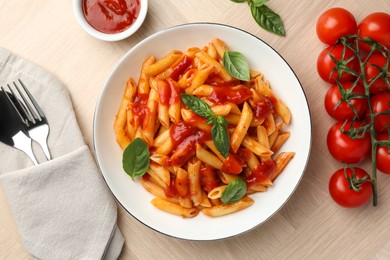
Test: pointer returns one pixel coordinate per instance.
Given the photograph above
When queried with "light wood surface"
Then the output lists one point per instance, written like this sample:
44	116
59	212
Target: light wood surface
309	226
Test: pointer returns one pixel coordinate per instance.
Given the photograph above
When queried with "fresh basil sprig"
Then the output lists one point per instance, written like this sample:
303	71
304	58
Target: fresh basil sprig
265	16
234	191
236	64
136	158
219	131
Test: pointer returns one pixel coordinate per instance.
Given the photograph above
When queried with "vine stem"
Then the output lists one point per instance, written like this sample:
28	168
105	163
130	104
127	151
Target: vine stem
372	129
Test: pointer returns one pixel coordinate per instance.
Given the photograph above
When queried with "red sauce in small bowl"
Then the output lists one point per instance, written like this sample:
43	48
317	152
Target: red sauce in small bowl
111	16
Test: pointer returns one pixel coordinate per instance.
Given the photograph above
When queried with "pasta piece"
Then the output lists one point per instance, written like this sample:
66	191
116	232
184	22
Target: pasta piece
216	193
204	57
199	78
255	147
195	184
182	183
220	47
225	209
173	208
161	65
149	121
280	162
205	203
143	83
279	141
161	172
128	96
227	178
164	92
262	138
241	128
212	52
207	157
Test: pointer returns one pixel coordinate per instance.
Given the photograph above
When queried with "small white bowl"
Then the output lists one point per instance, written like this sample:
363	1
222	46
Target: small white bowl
78	12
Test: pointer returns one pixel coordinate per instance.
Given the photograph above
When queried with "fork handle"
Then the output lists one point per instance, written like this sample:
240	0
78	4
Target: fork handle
23	143
39	134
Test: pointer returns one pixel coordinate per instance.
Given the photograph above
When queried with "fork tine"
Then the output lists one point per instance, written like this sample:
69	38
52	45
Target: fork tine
33	101
30	113
13	105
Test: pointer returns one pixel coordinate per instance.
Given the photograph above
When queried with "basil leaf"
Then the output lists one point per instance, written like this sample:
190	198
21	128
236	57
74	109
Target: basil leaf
268	19
197	105
238	1
220	136
259	2
136	158
234	191
236	64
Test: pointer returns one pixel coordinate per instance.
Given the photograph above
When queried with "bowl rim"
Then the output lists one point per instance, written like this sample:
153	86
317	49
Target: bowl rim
79	14
119	62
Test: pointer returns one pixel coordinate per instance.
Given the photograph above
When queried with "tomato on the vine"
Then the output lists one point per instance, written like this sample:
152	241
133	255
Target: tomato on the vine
379	104
383	155
342	184
343	147
377	27
335	23
343	111
328	70
376	61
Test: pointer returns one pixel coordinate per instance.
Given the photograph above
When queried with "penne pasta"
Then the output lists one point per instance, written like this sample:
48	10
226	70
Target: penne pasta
226	131
241	128
161	65
225	209
173	208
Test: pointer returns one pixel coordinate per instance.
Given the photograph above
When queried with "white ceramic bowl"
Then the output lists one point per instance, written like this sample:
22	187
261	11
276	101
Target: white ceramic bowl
132	196
78	12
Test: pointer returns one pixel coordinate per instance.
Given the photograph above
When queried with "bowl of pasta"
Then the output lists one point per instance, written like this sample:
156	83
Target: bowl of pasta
202	132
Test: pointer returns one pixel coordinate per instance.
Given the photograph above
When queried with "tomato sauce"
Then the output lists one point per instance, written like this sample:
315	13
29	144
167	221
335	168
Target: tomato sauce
175	91
140	109
263	107
180	132
232	165
262	173
237	94
111	16
184	139
181	67
208	177
171	190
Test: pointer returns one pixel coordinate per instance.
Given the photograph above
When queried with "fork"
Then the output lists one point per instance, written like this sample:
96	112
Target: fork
32	117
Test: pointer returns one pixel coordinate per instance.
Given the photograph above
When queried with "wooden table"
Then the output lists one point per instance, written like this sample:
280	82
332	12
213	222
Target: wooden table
309	226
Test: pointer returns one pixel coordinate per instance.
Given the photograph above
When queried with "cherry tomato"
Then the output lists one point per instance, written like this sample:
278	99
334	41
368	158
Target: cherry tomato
377	27
325	64
345	149
371	68
383	155
343	111
341	190
380	103
335	23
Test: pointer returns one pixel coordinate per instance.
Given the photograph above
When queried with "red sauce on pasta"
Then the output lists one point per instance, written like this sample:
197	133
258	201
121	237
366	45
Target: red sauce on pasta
111	16
171	190
208	177
180	132
139	108
237	94
232	165
263	107
262	173
181	67
184	139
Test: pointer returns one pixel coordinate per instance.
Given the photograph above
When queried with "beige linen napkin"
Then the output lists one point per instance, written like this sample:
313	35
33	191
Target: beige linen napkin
62	207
